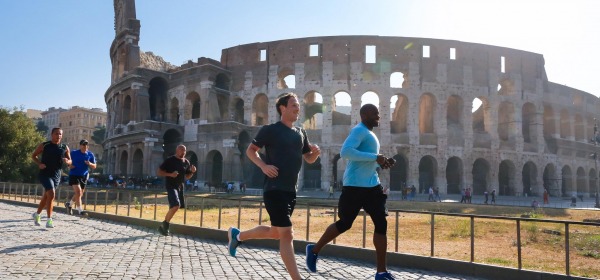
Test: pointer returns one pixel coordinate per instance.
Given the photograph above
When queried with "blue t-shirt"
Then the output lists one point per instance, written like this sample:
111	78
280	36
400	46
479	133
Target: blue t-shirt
361	149
78	159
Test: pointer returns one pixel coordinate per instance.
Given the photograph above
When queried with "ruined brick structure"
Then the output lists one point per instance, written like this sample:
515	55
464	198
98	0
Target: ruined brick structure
528	133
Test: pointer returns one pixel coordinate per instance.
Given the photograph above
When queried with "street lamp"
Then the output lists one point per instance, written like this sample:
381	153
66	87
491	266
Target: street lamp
596	140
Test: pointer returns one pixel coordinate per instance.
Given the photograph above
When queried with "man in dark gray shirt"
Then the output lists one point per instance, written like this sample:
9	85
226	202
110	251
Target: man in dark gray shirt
285	147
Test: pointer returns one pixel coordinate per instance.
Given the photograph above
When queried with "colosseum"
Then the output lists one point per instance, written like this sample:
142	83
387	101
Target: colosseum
453	114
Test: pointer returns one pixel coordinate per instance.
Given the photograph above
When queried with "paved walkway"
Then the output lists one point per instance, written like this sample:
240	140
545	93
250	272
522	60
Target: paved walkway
88	248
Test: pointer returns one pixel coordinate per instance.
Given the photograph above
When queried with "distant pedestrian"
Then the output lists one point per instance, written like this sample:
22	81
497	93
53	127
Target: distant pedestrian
53	156
463	198
430	197
486	194
546	196
494	196
330	191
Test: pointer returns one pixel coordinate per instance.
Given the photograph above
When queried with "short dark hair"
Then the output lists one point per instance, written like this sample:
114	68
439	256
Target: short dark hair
55	129
283	100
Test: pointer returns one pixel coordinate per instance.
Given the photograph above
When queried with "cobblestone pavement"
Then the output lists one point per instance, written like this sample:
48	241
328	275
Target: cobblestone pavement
80	248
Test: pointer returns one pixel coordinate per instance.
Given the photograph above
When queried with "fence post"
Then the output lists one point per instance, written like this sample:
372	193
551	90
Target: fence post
568	272
141	205
334	218
117	203
22	191
307	221
220	207
201	211
432	234
185	211
95	199
260	214
364	234
239	213
155	204
519	243
86	201
105	201
396	233
128	203
472	238
3	189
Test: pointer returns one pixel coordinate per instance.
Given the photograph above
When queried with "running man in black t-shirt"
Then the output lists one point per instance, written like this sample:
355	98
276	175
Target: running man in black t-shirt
285	147
176	170
53	156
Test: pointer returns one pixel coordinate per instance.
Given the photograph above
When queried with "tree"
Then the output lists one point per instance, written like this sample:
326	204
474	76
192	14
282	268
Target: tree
42	127
99	135
18	140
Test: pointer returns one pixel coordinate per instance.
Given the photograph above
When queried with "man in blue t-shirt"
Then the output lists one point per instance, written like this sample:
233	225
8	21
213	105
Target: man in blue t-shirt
83	160
285	147
362	189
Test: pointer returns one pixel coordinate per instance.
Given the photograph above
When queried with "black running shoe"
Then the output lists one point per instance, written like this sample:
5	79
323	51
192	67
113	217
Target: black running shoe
69	208
83	214
163	231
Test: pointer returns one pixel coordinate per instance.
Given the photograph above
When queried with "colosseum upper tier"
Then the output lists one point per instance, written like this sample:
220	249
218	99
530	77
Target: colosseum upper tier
453	114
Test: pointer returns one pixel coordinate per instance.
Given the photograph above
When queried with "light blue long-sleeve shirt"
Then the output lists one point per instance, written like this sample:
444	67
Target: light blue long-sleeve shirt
361	149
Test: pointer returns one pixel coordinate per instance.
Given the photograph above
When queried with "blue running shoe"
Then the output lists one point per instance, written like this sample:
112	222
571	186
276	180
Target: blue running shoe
384	276
232	235
311	258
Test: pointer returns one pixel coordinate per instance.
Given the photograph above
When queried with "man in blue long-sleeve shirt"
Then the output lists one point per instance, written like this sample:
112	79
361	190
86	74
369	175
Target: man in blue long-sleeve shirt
362	189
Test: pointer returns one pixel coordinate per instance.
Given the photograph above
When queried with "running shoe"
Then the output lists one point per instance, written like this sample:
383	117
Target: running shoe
36	219
49	223
163	231
311	258
232	235
69	208
384	276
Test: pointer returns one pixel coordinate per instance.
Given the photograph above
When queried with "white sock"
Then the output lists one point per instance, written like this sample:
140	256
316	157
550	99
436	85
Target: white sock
238	238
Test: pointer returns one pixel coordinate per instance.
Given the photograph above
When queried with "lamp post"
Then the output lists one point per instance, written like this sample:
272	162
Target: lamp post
596	140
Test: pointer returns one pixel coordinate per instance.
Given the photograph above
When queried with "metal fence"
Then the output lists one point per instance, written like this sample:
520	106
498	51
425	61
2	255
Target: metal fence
211	213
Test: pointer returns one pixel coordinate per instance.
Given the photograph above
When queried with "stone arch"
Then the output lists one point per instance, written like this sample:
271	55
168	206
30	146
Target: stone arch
174	111
399	113
549	122
171	139
222	82
337	170
567	181
312	175
506	178
579	128
454	171
480	115
126	115
342	108
369	97
427	172
399	173
137	164
214	167
529	178
192	106
397	80
238	110
528	123
506	87
565	124
550	180
193	158
286	78
157	91
260	110
506	121
454	121
427	108
582	179
313	111
123	163
481	175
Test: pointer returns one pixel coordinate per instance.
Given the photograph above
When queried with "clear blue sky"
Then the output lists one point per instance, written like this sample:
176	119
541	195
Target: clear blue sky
56	53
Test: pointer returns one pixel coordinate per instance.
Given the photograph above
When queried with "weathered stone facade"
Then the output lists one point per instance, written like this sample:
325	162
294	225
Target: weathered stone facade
528	133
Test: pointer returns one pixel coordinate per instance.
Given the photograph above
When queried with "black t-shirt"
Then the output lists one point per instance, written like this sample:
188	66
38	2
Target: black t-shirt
172	164
52	157
284	149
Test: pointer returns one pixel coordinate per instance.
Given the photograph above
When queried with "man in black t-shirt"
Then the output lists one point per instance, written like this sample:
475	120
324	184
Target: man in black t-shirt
285	147
176	170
